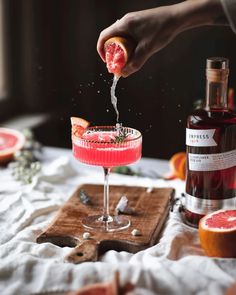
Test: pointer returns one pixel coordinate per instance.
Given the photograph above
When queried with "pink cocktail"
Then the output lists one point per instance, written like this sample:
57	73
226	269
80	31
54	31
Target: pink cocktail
99	147
107	146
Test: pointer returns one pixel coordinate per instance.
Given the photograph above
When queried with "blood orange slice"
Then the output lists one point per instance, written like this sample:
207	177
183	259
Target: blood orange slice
231	290
11	141
117	52
177	164
78	126
106	288
217	233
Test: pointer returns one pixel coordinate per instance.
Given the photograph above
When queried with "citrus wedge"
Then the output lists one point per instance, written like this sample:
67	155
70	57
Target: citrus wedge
105	288
11	141
231	290
117	52
217	233
78	126
177	164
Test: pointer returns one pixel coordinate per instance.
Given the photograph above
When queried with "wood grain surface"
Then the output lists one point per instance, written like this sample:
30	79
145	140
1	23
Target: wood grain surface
150	212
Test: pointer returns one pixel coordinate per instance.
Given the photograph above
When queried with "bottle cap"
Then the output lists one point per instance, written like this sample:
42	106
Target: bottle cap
220	63
217	69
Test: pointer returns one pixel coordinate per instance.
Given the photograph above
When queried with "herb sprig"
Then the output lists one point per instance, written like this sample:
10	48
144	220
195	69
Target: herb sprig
119	138
122	134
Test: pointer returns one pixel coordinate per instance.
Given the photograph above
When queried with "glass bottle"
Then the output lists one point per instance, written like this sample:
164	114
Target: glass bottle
211	149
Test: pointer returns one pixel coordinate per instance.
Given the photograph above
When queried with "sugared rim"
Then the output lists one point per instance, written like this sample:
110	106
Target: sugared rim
139	135
19	144
204	226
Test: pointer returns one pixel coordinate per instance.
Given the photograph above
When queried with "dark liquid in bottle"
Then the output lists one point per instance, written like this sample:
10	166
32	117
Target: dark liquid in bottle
210	186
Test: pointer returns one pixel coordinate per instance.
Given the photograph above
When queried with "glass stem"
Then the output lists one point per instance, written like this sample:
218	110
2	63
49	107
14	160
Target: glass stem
105	215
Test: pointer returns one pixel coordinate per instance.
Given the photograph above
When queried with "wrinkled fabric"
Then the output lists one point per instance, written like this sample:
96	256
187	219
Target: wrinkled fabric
175	265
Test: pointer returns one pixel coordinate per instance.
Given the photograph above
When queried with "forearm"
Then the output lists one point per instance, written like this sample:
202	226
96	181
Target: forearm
154	28
196	13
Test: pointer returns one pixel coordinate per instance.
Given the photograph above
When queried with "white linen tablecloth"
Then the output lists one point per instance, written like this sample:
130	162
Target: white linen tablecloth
176	265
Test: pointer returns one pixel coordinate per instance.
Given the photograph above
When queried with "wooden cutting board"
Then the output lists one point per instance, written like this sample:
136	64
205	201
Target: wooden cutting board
151	210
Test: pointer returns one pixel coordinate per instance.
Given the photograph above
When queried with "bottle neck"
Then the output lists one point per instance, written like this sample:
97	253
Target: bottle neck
216	89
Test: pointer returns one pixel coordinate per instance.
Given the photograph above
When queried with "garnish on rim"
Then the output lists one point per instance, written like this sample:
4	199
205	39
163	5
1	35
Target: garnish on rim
78	126
122	134
119	138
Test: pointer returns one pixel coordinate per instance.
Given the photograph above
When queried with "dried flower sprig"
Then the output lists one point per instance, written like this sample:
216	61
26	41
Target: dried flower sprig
26	162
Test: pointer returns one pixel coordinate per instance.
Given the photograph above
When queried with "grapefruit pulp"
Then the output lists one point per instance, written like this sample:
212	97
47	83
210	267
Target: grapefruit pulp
217	233
117	51
79	126
11	141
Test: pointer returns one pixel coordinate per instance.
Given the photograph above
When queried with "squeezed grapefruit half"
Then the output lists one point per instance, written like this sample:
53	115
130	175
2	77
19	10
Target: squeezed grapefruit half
78	126
11	141
117	52
217	233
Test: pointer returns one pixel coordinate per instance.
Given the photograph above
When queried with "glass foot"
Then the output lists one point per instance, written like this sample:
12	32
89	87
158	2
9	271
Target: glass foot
114	223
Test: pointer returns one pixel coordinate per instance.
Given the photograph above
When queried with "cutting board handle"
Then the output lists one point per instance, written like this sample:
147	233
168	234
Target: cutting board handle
86	250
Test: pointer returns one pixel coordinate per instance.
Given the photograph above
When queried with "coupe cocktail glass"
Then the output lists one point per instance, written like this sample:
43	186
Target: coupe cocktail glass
106	146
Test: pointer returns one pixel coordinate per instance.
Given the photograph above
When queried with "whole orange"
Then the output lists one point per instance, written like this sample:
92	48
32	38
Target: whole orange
177	165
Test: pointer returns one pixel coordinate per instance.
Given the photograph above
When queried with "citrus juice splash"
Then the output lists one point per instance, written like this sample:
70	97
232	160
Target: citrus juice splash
113	96
117	52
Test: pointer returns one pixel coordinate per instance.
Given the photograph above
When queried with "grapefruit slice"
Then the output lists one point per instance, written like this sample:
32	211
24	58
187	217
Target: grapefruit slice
217	233
177	164
106	288
11	141
98	289
117	52
78	126
231	290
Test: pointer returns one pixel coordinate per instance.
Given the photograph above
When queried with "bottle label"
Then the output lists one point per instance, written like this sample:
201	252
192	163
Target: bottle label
205	206
200	137
212	162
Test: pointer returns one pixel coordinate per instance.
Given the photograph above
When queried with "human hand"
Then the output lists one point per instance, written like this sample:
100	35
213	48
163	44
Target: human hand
153	29
150	30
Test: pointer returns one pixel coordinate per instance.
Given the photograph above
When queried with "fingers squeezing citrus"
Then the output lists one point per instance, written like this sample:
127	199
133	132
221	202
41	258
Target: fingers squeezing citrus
117	52
78	126
217	233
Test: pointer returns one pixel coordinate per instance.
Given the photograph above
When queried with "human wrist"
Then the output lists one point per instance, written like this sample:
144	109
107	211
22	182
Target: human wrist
196	13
